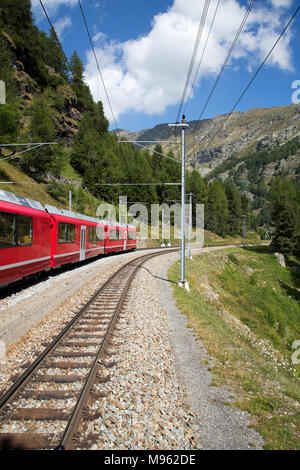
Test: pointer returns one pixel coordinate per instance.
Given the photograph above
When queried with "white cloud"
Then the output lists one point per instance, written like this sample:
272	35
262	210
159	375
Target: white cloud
99	37
61	25
148	74
281	3
51	6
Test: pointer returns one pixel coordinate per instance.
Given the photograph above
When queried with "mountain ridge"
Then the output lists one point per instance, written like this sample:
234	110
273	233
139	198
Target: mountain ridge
244	132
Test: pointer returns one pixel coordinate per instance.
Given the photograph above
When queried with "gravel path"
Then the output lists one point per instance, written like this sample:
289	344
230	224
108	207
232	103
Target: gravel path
221	427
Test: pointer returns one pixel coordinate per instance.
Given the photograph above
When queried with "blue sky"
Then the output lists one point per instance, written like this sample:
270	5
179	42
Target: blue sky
144	50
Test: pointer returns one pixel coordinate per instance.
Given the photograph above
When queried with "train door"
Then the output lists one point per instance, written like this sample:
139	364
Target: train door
125	238
82	242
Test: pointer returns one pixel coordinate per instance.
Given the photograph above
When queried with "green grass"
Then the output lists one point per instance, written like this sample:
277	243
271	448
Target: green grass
69	172
214	239
25	186
244	307
211	239
54	193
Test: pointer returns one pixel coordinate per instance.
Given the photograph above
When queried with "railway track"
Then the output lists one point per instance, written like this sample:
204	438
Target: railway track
60	382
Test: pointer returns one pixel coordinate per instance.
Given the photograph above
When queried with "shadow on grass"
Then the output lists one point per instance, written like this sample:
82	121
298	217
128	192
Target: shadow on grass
292	263
261	249
291	291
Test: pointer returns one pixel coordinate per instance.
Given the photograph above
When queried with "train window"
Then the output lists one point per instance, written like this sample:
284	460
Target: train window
113	234
100	232
92	235
7	230
24	230
62	232
131	235
70	233
66	233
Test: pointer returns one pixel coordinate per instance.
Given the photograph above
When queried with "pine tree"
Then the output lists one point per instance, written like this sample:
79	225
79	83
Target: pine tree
77	81
45	159
216	211
284	215
234	209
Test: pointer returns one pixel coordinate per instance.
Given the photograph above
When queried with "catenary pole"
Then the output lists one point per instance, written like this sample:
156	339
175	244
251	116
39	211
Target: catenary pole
183	125
190	223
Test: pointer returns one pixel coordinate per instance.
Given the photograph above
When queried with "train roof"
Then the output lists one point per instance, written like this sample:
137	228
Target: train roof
74	215
21	201
24	201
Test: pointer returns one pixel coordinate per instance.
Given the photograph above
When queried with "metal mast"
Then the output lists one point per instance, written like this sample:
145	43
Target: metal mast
183	125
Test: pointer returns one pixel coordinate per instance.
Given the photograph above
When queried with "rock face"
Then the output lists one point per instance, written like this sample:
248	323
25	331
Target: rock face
211	142
66	114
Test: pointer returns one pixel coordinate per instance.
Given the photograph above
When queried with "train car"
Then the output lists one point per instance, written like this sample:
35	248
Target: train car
116	237
36	238
74	237
25	229
131	237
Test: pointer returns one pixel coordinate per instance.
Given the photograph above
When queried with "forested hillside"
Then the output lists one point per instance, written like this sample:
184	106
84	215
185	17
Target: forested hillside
48	100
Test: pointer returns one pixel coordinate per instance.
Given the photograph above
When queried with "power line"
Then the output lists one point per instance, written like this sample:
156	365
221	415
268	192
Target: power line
28	143
149	148
192	62
203	52
98	67
138	184
54	32
255	75
27	150
227	57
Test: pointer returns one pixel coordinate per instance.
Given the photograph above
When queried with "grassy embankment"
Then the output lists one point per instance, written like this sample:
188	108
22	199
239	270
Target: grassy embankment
55	193
211	239
245	309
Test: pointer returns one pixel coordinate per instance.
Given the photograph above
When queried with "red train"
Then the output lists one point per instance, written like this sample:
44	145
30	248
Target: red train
36	238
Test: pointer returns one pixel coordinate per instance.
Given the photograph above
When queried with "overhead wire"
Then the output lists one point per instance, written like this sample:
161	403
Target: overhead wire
54	32
203	52
193	58
236	38
254	76
97	63
227	57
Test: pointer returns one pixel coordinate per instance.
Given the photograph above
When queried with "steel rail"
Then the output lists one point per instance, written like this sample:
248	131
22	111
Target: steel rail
66	441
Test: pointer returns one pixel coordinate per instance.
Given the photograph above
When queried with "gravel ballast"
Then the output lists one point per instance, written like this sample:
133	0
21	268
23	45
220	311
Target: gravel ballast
158	393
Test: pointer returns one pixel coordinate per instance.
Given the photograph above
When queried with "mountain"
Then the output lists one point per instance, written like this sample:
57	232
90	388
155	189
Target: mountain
243	133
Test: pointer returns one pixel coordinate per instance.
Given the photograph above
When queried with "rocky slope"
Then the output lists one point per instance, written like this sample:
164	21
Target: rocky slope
243	132
63	102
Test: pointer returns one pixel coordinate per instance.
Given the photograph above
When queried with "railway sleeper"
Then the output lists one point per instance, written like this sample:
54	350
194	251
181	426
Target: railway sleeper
27	441
73	354
86	344
59	378
48	394
39	414
68	365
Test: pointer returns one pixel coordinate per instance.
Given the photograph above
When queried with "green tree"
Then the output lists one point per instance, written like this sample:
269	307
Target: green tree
38	163
196	185
9	123
77	81
216	212
285	213
234	209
